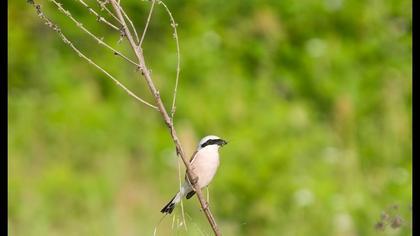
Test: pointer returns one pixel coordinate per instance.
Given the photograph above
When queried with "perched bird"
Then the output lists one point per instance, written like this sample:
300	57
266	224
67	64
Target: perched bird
204	164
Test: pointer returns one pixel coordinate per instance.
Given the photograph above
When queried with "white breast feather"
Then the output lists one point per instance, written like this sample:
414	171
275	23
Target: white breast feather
205	164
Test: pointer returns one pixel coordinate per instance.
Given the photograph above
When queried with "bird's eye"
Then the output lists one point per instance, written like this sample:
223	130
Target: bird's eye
208	142
205	144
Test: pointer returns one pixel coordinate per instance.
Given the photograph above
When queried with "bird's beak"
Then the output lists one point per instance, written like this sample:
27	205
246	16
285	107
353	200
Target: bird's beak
222	142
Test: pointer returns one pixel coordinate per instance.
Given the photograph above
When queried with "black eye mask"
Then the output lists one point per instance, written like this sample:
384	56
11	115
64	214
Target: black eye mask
213	141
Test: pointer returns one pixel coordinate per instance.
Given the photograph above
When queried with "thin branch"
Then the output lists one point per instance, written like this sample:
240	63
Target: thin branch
180	152
57	29
100	41
175	35
129	21
147	24
98	17
103	7
180	186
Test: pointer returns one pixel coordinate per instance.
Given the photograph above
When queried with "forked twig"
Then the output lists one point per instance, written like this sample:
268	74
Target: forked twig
129	21
147	24
98	17
100	41
174	25
103	7
57	29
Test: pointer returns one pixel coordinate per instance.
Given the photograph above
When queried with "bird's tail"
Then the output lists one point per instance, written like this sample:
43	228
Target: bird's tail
168	208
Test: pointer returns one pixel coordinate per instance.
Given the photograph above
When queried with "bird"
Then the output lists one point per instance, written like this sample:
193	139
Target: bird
204	163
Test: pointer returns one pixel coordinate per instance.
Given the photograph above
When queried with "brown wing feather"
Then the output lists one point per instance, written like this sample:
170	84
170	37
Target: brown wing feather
191	160
193	156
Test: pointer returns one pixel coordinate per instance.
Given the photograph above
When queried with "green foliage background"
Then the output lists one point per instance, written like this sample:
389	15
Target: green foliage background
314	98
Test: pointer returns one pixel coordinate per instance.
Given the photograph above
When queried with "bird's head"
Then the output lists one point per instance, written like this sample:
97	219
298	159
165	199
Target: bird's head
211	140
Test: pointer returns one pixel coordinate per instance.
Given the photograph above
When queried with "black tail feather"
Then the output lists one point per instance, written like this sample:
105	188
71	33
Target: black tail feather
190	194
168	208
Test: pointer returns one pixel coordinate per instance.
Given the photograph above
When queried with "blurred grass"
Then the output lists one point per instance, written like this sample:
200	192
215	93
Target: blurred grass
313	96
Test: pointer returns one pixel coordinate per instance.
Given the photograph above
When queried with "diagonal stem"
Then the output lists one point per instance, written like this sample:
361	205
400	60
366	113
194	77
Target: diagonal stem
147	24
146	74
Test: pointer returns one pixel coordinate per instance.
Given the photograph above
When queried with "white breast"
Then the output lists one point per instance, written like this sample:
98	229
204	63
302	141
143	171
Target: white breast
205	164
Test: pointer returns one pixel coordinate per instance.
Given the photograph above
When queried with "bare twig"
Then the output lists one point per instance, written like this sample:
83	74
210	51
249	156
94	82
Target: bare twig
147	24
180	152
98	17
100	41
103	7
175	35
57	29
180	186
129	21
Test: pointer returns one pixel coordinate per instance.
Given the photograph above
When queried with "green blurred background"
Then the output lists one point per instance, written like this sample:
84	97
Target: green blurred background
314	98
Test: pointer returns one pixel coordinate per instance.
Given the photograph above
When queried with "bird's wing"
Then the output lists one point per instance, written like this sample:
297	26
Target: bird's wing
191	161
193	156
